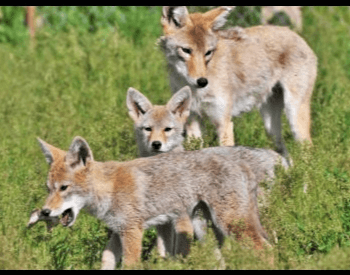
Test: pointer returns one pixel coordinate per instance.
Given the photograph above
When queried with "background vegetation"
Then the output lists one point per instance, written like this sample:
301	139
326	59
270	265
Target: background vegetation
74	82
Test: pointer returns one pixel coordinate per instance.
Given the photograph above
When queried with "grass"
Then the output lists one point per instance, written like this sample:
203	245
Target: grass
73	84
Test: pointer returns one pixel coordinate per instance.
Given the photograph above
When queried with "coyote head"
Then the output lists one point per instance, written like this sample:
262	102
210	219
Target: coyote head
190	41
159	129
66	182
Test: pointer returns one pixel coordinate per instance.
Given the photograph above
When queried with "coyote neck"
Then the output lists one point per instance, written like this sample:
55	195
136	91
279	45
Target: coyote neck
98	197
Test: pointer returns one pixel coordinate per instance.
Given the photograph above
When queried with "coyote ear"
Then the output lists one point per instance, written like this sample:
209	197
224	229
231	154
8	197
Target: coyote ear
79	153
174	17
137	104
218	16
180	103
47	150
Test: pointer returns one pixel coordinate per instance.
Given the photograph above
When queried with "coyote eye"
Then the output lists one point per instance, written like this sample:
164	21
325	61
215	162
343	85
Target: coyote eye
167	129
186	50
63	187
208	53
148	129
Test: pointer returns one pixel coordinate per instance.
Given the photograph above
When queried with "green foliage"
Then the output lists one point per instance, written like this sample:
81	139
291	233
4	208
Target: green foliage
280	19
74	82
130	21
12	28
244	16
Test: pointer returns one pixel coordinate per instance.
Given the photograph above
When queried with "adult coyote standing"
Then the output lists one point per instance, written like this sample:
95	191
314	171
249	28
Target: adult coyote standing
231	71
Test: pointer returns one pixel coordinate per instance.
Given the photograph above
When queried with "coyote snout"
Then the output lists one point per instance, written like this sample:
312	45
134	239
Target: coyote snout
202	82
156	145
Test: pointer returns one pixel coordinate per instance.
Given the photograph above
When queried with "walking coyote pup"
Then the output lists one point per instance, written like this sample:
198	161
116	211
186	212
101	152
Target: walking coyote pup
231	71
130	196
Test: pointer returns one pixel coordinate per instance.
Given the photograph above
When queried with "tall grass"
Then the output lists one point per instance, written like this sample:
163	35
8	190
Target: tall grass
75	84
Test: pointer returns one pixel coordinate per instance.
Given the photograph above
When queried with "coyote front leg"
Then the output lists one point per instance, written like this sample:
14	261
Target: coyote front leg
112	253
193	127
131	239
224	129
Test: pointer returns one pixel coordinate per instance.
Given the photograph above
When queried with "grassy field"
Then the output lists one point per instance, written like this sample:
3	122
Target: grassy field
72	84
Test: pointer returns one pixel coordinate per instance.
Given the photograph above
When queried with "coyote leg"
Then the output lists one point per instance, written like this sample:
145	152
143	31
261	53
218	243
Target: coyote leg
112	253
271	112
165	239
132	245
184	235
225	132
298	114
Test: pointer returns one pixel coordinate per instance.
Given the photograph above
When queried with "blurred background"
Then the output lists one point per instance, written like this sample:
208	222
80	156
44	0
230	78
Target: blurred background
13	20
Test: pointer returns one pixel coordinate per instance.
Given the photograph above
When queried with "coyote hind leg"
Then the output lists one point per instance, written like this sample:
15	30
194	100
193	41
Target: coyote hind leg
165	239
298	112
184	235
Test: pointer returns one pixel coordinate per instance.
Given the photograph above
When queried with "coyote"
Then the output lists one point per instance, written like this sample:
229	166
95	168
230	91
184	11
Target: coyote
231	71
163	126
160	129
130	196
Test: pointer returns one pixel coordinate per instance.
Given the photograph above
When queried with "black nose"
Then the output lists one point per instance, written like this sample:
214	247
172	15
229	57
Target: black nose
156	145
46	212
202	82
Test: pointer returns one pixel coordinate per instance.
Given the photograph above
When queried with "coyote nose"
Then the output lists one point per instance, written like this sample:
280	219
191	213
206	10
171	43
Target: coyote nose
202	82
46	212
156	145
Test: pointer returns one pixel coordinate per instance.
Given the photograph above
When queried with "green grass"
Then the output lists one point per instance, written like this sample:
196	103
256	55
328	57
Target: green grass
73	84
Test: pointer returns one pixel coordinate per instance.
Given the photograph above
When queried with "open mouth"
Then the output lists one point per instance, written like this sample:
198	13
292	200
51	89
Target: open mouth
67	217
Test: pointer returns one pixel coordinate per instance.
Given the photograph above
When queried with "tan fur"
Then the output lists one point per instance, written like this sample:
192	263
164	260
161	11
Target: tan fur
132	240
158	190
58	168
232	71
54	201
123	182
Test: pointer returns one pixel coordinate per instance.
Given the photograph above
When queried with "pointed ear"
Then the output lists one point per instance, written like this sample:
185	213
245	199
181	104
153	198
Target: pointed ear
180	103
174	17
137	104
79	153
218	16
50	152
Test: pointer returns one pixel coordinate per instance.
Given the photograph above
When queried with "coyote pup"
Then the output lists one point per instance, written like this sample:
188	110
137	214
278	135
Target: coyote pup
160	129
231	71
130	196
